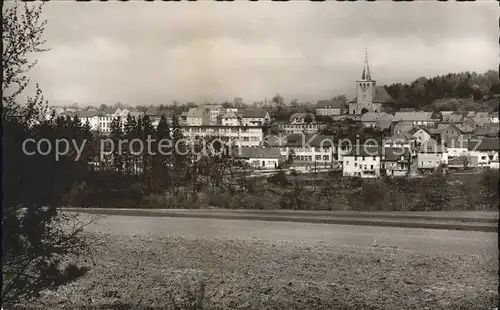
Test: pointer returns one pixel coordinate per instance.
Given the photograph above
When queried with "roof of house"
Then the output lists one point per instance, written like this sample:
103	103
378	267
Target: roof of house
471	114
230	114
494	114
395	153
256	152
298	140
400	138
374	116
403	127
465	128
364	150
381	96
384	123
407	110
432	146
490	129
253	113
455	142
486	144
87	113
453	118
195	112
413	116
333	104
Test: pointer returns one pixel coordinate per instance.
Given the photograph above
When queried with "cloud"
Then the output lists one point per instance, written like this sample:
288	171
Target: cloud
143	53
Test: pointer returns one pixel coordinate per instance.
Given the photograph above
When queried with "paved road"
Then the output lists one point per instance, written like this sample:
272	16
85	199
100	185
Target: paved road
337	235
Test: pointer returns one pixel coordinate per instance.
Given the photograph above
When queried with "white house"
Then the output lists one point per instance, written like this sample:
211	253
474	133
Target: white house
254	117
362	161
92	117
197	117
259	157
456	148
329	107
214	111
310	151
484	152
230	119
431	155
238	135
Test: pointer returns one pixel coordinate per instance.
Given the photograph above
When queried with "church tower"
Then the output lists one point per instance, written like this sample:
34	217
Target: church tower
365	88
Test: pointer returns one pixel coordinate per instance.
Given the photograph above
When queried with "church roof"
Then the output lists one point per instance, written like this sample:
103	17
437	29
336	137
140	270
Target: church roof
381	96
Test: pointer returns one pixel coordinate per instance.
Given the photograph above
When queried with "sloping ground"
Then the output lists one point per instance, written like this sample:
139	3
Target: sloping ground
153	271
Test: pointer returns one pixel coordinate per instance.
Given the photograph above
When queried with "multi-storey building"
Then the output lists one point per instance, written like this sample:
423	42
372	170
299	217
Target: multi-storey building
237	135
362	161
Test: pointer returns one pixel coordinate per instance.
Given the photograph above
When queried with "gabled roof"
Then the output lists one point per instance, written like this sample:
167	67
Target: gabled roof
456	142
374	116
253	113
403	127
487	144
298	140
398	138
195	112
384	124
491	129
87	113
230	114
364	150
453	118
395	154
432	146
256	152
413	116
381	96
331	104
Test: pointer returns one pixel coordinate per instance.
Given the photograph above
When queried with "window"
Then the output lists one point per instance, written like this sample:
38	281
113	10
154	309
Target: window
355	158
318	157
363	158
326	157
371	167
355	164
374	157
347	163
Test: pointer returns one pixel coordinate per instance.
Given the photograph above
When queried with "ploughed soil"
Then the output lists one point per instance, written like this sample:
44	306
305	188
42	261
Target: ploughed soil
154	271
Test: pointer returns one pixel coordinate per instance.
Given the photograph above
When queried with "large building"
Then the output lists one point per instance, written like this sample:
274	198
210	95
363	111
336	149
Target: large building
369	97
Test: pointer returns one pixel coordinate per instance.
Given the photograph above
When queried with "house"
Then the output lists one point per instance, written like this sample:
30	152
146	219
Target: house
214	111
370	119
255	117
453	118
259	157
494	117
310	151
301	123
183	118
489	130
450	131
329	107
395	161
419	136
156	114
481	118
484	151
416	118
230	118
362	161
400	127
401	140
431	156
92	117
235	135
457	147
369	97
197	117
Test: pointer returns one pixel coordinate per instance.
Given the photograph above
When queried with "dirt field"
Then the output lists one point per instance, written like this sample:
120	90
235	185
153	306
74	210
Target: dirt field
153	271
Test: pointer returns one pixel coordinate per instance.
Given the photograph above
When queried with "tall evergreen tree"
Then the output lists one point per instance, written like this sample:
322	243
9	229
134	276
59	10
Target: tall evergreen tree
116	135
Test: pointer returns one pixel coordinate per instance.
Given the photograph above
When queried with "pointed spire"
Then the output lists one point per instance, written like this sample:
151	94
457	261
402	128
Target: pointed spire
366	70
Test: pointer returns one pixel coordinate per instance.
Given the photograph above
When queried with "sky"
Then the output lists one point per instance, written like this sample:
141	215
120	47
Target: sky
153	53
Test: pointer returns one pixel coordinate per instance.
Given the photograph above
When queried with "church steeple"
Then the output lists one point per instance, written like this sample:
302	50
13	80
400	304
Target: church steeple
366	70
